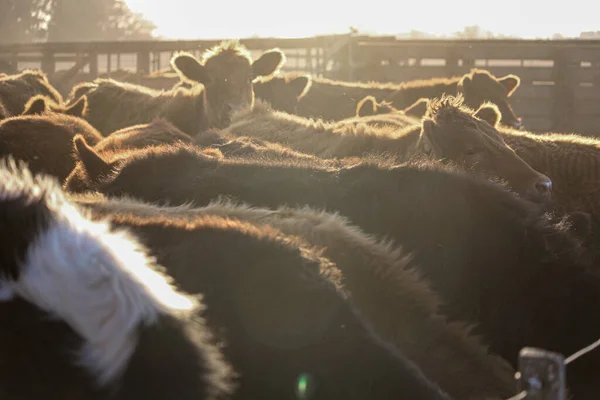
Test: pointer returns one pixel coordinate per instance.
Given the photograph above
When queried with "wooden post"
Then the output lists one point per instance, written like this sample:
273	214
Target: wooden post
564	98
350	58
48	65
94	64
143	62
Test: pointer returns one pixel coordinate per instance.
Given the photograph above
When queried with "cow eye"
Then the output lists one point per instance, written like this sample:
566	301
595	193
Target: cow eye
470	152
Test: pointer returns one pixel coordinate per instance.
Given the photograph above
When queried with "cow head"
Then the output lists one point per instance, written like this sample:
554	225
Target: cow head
480	86
470	138
283	92
41	104
227	73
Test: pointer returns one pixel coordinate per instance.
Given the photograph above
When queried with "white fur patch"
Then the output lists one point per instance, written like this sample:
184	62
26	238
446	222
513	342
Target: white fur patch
99	281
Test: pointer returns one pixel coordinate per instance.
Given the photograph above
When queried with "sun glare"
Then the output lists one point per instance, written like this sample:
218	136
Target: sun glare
185	19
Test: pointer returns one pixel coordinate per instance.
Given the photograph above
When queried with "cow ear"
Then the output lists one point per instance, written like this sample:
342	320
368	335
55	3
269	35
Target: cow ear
418	109
367	106
268	63
489	113
188	68
464	84
79	108
93	165
300	85
427	138
510	82
35	106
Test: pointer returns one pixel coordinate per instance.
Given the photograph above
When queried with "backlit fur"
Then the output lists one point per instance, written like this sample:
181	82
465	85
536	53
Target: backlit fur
16	90
45	141
100	281
380	280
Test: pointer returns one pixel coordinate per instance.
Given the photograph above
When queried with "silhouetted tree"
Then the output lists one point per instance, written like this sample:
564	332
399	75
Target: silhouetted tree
89	20
24	20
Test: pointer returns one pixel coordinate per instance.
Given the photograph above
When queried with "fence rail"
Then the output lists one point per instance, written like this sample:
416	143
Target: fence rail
560	79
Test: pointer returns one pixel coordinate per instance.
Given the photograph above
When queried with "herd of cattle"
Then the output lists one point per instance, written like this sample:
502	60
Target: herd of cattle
251	234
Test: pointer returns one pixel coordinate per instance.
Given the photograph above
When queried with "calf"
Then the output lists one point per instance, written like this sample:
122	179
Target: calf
85	311
275	303
336	100
495	259
380	280
450	131
45	141
225	73
16	90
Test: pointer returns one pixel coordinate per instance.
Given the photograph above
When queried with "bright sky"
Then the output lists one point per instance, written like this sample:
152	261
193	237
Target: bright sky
197	19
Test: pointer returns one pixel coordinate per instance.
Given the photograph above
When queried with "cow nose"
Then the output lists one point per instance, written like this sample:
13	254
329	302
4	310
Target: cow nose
542	189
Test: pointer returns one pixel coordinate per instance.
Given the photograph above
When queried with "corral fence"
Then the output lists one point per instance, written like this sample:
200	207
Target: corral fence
560	79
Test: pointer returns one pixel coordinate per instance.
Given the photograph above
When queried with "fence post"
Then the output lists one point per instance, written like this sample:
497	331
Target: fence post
350	58
143	62
564	96
48	65
94	64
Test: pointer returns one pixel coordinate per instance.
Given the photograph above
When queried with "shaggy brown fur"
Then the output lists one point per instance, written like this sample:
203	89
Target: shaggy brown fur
45	142
139	136
41	104
78	176
16	90
3	112
225	73
250	148
450	131
494	258
571	161
115	105
336	100
573	164
381	282
278	306
283	92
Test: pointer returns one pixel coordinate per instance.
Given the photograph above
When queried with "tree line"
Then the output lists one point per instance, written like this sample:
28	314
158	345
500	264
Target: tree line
23	21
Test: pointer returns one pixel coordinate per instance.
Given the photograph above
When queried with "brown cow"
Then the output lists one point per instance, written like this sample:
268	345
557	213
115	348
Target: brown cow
336	100
283	92
41	104
494	258
225	73
45	142
382	283
450	131
16	90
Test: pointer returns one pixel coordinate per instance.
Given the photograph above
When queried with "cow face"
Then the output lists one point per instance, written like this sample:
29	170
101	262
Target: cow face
471	140
480	86
227	73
